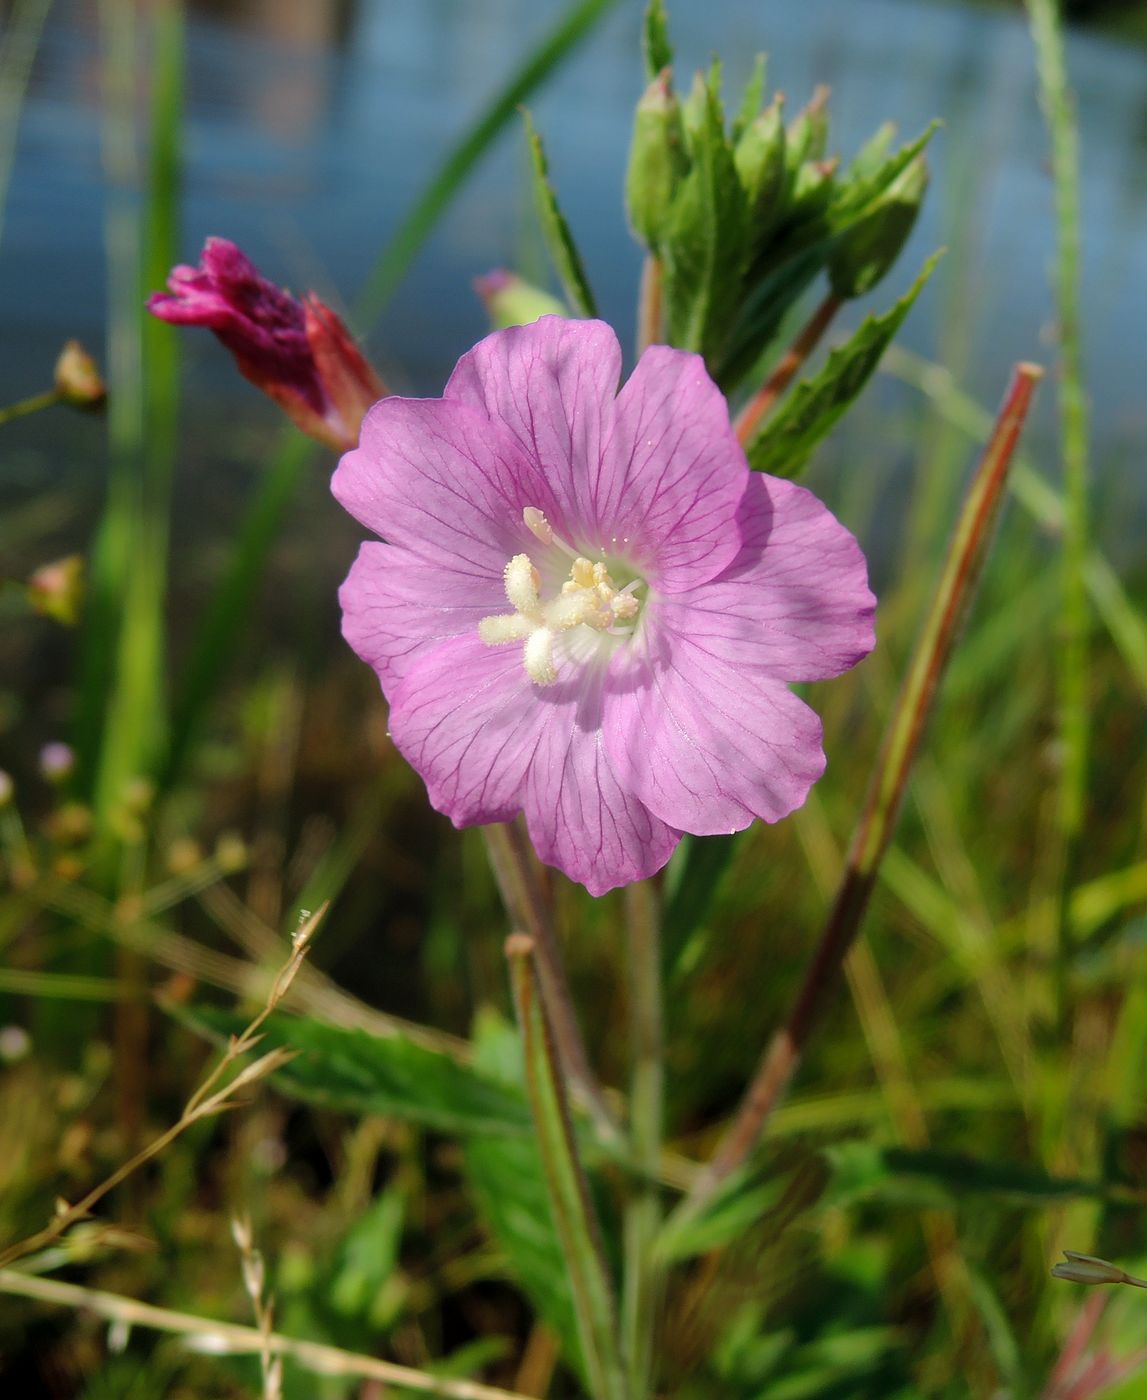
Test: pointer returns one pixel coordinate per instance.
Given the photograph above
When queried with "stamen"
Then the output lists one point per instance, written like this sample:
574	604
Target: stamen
512	627
540	527
587	599
522	584
538	655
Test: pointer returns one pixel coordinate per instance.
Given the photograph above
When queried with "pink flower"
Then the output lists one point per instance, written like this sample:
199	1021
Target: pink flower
587	609
298	352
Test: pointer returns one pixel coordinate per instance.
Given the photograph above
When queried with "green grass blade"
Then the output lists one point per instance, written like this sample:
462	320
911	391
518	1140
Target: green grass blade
1074	720
133	561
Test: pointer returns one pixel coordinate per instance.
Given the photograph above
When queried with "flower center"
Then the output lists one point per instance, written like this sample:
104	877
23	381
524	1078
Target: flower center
588	598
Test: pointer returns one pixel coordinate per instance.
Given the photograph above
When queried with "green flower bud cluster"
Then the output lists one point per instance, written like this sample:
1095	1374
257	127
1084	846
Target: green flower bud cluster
744	216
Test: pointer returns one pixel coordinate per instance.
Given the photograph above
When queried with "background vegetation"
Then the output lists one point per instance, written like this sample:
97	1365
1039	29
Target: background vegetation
975	1105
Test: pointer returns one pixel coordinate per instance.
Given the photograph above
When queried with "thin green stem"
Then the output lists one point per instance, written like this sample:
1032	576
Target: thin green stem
963	565
640	1295
516	874
566	1184
1074	721
48	399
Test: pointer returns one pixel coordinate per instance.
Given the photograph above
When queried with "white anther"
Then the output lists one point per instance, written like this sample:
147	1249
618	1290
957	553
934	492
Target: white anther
538	656
522	584
508	627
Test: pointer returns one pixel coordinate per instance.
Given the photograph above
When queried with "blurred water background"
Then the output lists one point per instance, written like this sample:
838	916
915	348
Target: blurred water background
313	124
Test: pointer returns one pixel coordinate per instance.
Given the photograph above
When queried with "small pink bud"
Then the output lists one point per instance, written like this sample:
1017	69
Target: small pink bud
57	589
300	355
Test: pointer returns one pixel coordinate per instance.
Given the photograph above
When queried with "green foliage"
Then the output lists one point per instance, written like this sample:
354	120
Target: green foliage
655	39
783	445
563	251
508	1186
862	1171
744	220
703	246
361	1073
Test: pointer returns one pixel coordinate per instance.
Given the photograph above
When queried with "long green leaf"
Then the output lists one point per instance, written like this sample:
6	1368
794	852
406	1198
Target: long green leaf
563	251
361	1073
786	441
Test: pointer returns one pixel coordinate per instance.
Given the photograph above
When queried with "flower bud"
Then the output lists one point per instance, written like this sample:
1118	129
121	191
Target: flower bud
56	590
657	160
1086	1268
7	789
760	161
300	354
871	247
512	301
808	136
78	379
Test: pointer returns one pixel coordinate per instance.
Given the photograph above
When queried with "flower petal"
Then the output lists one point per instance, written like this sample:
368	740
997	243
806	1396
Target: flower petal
552	385
794	603
704	744
489	743
580	817
673	472
442	481
396	607
466	718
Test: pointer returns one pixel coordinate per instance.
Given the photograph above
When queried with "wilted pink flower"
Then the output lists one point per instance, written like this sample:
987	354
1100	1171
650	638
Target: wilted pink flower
298	352
587	608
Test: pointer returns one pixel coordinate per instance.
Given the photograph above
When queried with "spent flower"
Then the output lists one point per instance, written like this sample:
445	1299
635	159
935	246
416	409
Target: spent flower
586	608
298	352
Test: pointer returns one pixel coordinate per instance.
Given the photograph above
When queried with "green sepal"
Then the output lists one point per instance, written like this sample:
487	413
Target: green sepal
657	161
559	240
787	439
808	134
759	156
751	99
872	246
655	39
872	155
703	250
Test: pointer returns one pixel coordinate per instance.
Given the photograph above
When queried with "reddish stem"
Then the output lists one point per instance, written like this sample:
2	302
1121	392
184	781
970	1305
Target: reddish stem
782	376
966	554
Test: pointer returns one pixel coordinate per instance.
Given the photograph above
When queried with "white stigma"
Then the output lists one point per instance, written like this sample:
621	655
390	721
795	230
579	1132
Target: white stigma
588	598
